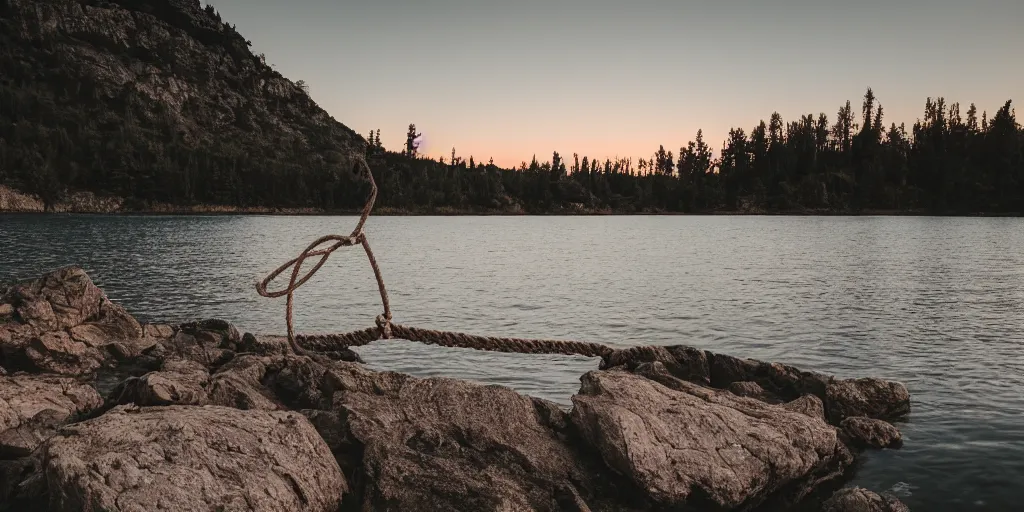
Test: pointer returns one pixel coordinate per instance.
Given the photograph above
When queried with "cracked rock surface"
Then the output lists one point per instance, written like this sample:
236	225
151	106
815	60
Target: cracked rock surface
32	407
684	444
185	458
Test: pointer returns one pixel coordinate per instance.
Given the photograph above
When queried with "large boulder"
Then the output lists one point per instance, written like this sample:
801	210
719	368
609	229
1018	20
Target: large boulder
62	323
444	444
691	446
857	499
192	458
32	407
58	300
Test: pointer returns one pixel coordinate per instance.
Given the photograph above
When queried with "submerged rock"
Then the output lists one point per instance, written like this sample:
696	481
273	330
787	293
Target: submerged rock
32	407
192	458
857	499
691	446
444	444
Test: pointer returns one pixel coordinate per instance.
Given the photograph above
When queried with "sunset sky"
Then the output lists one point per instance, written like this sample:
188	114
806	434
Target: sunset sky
509	79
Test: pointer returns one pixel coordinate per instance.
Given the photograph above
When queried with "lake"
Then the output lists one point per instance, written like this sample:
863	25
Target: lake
937	303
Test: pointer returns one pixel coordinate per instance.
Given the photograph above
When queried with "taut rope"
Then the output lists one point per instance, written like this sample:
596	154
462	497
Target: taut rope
385	329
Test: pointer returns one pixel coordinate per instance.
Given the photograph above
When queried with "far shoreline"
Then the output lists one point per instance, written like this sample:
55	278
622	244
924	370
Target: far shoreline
391	212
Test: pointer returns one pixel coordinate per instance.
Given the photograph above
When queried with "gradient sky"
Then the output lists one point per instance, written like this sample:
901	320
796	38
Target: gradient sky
515	78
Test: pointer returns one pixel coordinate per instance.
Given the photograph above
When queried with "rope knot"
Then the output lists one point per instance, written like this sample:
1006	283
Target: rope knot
384	326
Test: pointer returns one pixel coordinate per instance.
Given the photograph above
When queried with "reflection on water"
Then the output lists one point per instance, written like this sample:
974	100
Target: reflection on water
937	303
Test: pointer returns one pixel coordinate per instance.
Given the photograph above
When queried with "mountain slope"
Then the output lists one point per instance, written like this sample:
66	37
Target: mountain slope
159	101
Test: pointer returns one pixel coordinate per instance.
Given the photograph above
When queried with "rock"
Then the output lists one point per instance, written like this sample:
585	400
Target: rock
57	352
444	444
6	310
60	299
753	390
807	404
158	331
264	345
192	458
204	349
682	362
213	332
690	446
862	432
784	381
778	382
113	331
871	397
32	407
21	485
271	383
179	382
857	499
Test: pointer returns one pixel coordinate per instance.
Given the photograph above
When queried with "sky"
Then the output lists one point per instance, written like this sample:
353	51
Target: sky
510	79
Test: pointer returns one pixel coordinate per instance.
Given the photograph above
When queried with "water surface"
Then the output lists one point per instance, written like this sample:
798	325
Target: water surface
937	303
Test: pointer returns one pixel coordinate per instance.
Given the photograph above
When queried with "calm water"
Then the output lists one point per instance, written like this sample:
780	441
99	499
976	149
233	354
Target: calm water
937	303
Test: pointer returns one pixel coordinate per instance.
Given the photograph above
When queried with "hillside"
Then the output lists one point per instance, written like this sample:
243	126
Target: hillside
159	102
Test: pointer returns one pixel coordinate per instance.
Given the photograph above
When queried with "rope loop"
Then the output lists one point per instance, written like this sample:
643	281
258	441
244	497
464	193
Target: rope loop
385	329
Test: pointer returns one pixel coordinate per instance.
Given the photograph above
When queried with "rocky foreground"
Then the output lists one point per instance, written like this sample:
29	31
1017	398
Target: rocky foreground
206	418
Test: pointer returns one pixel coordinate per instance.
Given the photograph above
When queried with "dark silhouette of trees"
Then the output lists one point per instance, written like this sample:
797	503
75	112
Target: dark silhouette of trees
945	163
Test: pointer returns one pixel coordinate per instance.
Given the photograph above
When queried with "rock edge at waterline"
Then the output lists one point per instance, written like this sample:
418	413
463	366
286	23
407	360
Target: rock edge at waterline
205	417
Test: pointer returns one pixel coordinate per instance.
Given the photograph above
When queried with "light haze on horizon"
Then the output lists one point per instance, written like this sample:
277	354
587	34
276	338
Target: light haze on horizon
512	79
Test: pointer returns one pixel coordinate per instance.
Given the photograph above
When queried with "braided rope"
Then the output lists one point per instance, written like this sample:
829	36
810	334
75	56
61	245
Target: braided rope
305	344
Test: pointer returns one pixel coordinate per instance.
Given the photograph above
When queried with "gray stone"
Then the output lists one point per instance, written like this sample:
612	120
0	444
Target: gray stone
185	458
32	407
686	445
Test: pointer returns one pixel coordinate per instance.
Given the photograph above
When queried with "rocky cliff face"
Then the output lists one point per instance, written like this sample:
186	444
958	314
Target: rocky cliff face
159	101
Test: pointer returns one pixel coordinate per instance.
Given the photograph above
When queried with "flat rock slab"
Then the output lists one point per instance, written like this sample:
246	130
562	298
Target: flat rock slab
186	458
32	407
687	445
444	444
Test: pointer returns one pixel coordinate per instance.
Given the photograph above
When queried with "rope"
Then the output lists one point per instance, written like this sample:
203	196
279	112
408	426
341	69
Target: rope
307	344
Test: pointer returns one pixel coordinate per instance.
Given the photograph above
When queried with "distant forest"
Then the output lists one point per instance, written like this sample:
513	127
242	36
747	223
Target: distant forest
947	163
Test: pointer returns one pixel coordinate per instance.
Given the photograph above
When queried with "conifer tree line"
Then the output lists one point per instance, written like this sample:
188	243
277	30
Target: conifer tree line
949	162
